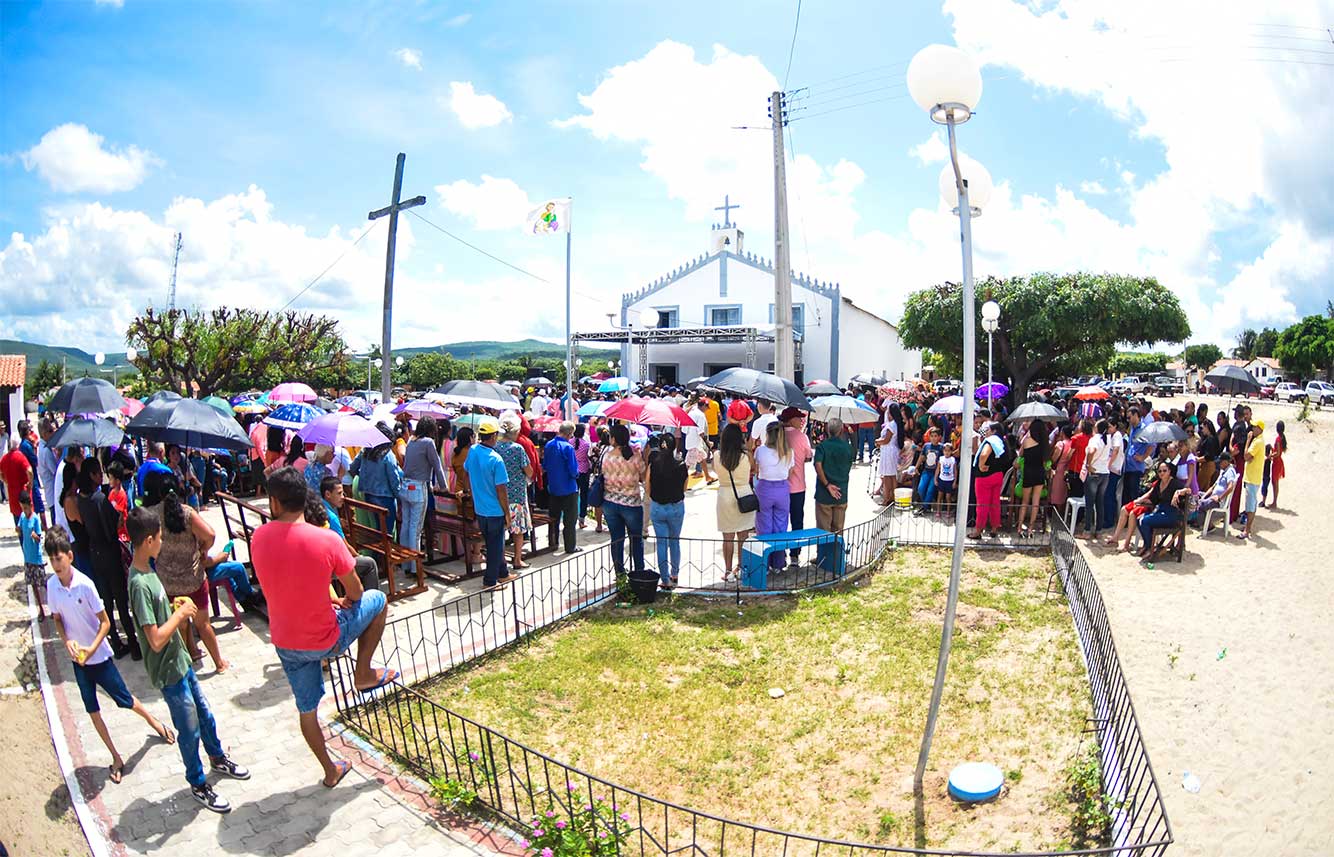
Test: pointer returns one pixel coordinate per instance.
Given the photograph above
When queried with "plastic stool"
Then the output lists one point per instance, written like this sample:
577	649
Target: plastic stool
231	599
1073	506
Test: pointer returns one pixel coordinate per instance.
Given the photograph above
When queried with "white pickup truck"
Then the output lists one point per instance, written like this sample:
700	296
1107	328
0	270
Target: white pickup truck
1130	384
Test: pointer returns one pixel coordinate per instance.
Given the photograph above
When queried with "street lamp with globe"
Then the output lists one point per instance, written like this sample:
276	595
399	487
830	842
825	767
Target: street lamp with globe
946	83
990	322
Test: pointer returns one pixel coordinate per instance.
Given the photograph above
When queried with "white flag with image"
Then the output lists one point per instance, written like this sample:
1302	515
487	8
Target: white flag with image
549	218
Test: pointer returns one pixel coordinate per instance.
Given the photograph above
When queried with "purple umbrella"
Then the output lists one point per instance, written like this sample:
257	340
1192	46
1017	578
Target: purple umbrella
419	408
994	390
342	429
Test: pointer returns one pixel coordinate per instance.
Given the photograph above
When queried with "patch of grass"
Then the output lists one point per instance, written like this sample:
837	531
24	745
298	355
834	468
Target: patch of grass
676	704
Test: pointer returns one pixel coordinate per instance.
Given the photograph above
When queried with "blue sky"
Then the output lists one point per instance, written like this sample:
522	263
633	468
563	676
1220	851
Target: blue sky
266	131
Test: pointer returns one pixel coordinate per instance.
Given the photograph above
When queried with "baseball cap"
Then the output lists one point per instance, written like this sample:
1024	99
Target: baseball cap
790	413
738	410
487	426
1260	424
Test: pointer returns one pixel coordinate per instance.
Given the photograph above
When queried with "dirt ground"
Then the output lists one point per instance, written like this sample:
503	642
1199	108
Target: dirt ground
35	814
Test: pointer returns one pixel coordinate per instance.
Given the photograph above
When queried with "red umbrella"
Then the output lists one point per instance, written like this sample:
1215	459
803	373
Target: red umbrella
649	412
1088	393
132	407
546	424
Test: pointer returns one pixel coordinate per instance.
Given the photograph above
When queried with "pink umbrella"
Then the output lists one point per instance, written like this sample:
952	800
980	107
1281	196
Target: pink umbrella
342	429
546	423
132	407
292	391
649	412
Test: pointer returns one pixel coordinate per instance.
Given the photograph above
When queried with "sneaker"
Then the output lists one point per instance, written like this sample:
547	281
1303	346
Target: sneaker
228	768
210	799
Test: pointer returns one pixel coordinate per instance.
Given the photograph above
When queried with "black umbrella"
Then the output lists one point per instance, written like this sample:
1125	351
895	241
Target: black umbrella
869	380
188	422
694	383
479	393
1036	411
86	396
755	384
163	396
98	433
1161	431
823	388
539	381
1233	380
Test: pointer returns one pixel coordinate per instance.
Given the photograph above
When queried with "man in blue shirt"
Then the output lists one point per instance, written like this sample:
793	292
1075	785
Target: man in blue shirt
1137	457
562	470
490	499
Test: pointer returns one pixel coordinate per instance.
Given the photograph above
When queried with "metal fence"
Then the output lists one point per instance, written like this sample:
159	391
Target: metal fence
522	785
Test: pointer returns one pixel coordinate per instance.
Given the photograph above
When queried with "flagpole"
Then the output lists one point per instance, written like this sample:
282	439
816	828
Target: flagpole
569	343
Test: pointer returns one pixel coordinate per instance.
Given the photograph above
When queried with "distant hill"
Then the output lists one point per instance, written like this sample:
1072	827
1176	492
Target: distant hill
493	350
77	362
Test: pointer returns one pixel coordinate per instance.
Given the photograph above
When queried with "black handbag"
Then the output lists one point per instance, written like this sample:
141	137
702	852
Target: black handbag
597	492
747	504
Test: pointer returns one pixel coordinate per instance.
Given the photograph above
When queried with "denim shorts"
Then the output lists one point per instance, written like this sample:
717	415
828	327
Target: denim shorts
104	675
303	666
1252	497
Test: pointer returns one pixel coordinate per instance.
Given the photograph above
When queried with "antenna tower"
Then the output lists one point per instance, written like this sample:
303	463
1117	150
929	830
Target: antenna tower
175	260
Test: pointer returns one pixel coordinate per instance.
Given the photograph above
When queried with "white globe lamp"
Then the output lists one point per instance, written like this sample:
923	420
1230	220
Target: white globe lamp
979	185
99	358
945	82
990	314
131	354
398	361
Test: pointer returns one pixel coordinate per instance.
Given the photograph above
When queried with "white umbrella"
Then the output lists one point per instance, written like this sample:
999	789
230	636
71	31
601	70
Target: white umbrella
844	408
948	405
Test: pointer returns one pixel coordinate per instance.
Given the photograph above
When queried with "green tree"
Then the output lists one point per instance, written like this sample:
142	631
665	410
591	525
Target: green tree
1202	356
201	353
945	365
1129	363
1050	323
1307	345
429	370
1245	347
45	376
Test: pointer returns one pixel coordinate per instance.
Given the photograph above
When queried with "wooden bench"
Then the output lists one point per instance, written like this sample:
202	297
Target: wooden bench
375	540
449	524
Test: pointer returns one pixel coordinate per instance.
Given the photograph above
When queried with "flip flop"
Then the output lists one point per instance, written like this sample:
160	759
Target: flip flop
343	768
117	773
167	735
386	676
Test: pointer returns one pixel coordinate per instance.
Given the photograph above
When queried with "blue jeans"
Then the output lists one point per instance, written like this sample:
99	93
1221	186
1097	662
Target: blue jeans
302	666
193	720
1110	503
391	510
1130	485
493	534
865	438
621	519
235	574
1163	516
414	515
926	487
667	519
1095	488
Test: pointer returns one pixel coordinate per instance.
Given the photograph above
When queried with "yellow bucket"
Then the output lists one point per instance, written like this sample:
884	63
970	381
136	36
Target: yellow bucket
903	498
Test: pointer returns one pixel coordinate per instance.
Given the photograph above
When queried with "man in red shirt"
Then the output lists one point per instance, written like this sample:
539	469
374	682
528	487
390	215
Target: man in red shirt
17	473
296	562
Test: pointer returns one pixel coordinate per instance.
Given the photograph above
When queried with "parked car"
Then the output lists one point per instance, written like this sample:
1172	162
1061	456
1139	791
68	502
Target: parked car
945	386
1289	392
1130	384
1087	381
1266	392
1168	385
1063	393
1320	392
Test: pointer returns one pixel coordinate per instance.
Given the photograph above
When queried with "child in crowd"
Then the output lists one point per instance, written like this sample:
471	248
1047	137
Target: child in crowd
83	625
30	534
946	474
168	662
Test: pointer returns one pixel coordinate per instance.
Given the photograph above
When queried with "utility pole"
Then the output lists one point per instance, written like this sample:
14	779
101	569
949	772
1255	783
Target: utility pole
175	261
394	207
784	363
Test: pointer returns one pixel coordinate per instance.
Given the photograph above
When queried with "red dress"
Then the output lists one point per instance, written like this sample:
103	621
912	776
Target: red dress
1276	464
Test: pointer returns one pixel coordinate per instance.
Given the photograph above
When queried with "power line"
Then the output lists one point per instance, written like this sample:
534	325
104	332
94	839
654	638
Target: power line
792	47
849	107
491	256
801	209
346	250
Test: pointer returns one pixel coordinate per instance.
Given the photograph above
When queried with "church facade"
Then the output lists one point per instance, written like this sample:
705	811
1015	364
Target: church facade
731	288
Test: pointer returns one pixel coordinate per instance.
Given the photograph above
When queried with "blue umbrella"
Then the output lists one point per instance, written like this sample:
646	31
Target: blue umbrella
356	404
594	409
618	384
293	415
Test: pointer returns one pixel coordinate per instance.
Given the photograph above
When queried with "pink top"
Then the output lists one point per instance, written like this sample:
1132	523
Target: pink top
801	453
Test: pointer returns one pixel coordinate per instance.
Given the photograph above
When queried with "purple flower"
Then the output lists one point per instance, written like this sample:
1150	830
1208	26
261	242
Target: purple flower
588	807
473	756
547	852
524	843
625	816
536	824
571	786
560	825
539	832
602	834
550	814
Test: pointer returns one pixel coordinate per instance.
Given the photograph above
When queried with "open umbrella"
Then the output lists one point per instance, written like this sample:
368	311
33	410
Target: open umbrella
1085	394
219	404
418	408
649	412
293	415
822	388
947	405
995	390
355	404
292	391
868	379
694	383
1160	431
251	408
243	398
539	381
97	433
1232	380
473	420
86	396
132	407
619	384
326	405
844	408
163	396
594	409
342	429
188	422
481	394
546	424
754	384
1036	411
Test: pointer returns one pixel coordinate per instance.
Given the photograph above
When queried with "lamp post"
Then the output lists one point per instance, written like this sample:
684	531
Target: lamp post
990	322
945	82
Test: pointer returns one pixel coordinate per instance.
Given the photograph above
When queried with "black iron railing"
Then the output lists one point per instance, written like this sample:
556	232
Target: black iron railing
522	785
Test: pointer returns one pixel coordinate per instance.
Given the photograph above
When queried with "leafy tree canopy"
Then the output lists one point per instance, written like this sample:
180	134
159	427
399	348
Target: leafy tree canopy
1307	345
46	376
1050	323
1202	356
1129	363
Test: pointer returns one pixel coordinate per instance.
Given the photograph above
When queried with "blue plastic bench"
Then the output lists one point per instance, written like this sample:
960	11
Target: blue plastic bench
755	553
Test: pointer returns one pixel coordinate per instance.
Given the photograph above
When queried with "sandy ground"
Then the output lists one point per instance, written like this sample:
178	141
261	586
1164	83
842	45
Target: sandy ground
35	813
1227	656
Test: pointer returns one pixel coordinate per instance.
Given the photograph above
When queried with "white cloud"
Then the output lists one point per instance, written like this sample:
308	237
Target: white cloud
932	150
459	20
409	57
72	159
475	109
491	204
1092	188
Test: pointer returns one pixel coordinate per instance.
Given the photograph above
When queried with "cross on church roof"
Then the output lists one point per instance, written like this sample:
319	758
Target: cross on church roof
726	209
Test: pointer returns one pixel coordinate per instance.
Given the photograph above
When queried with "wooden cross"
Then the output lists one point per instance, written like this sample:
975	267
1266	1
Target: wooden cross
392	210
726	209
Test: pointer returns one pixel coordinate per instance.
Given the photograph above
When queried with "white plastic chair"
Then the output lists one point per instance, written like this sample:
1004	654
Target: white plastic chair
1073	506
1223	508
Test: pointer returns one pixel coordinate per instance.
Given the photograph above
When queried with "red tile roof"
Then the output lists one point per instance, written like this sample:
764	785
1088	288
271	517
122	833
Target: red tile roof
12	370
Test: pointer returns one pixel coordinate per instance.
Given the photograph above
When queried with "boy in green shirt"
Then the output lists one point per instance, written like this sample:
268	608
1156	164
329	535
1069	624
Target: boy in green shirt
168	662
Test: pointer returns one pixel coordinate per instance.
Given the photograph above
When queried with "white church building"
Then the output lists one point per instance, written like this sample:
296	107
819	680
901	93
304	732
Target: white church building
717	311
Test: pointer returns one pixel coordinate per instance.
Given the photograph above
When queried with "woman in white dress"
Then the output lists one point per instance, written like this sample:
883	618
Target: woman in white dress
890	443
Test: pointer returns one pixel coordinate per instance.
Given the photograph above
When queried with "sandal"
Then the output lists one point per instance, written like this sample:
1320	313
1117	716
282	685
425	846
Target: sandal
117	773
385	677
343	768
166	734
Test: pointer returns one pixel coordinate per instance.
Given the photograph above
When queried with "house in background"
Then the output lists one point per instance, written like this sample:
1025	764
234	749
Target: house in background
1266	370
13	371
